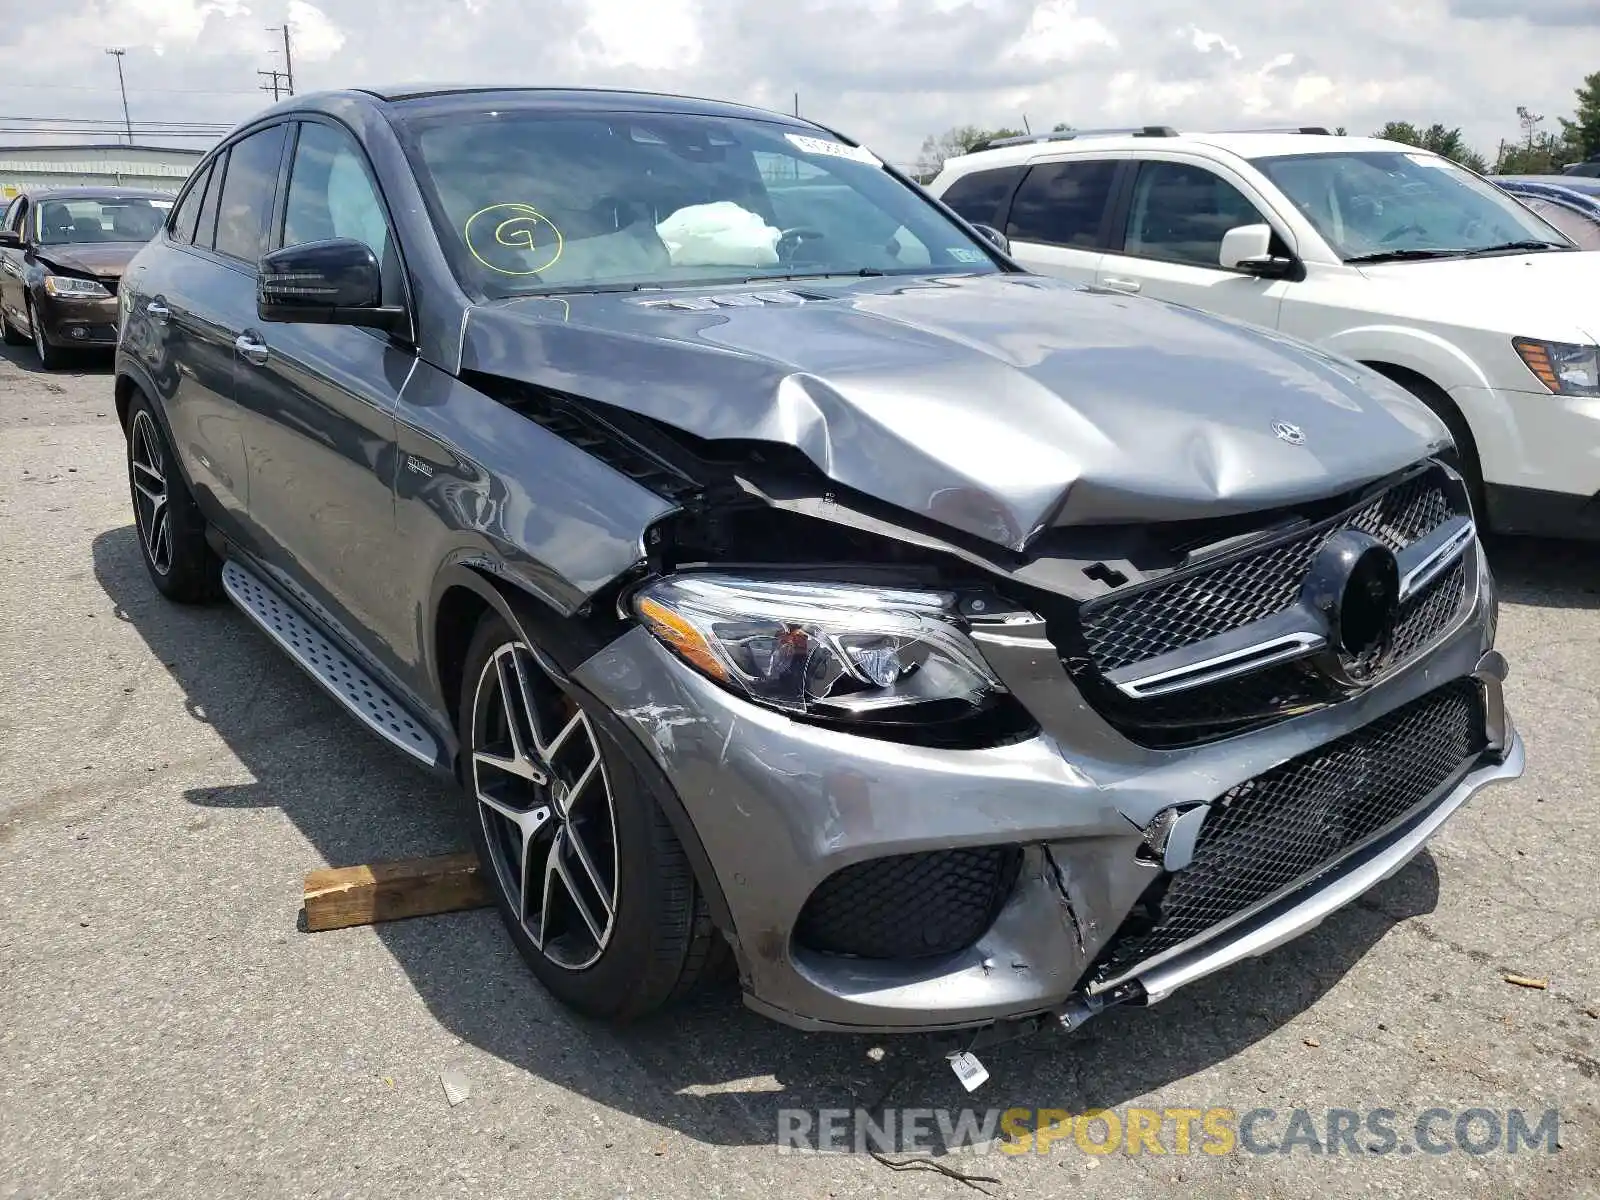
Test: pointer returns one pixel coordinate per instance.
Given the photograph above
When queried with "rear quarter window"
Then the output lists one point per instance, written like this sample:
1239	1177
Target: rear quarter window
1063	203
980	196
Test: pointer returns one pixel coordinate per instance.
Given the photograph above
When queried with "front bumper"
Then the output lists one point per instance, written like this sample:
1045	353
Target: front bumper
780	806
69	321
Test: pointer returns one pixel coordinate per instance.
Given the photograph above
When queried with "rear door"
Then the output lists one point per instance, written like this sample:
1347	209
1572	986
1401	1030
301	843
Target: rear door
319	405
1059	216
1167	242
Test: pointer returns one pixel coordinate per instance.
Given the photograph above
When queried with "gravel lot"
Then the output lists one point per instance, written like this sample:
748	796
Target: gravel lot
166	1031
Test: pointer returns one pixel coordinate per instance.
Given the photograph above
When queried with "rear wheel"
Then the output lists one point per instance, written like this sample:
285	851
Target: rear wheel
172	533
593	886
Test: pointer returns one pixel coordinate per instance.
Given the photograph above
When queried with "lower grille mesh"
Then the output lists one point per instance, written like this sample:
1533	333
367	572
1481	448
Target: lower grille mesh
1282	825
910	905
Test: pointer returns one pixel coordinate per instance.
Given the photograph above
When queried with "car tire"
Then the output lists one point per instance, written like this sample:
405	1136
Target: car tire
614	923
10	334
167	521
49	357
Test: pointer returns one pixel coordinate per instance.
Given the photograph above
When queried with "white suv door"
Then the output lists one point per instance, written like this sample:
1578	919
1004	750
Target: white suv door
1058	217
1171	243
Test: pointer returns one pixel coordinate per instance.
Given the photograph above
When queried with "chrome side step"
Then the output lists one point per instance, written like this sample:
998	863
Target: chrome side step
327	664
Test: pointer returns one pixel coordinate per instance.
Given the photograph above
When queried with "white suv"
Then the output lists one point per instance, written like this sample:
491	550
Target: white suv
1376	251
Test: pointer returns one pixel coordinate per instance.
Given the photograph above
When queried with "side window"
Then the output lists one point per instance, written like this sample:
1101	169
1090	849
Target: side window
1180	212
205	231
11	211
1581	229
978	196
188	210
248	190
1062	204
331	195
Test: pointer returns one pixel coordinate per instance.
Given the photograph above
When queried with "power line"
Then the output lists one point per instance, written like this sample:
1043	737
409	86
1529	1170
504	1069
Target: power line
143	124
136	91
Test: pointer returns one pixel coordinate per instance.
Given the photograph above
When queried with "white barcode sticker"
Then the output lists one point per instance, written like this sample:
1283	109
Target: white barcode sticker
811	145
969	1070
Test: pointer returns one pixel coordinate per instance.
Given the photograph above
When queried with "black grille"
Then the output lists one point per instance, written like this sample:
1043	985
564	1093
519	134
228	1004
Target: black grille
910	905
1281	826
1120	631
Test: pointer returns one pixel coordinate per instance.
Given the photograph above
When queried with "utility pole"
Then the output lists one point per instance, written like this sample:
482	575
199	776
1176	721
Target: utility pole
274	84
797	104
122	86
288	58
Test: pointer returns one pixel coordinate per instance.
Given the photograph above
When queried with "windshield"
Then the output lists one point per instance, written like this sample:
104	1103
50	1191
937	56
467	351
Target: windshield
533	203
1376	202
119	219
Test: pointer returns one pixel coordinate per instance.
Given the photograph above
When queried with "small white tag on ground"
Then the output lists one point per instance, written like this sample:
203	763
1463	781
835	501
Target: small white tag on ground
456	1086
969	1070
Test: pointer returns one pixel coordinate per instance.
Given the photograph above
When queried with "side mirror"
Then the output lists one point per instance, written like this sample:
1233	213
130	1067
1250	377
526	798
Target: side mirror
1002	243
334	282
10	237
1248	248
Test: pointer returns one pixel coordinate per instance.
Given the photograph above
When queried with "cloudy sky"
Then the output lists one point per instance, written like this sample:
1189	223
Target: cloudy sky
887	71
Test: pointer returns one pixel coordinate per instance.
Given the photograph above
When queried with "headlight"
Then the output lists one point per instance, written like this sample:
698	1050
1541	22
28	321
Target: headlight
67	285
825	650
1565	369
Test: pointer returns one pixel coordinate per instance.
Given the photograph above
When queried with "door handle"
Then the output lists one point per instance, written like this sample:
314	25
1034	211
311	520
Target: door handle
1122	285
252	349
157	312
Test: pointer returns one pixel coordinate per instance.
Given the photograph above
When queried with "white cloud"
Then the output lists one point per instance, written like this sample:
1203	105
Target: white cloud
888	71
316	37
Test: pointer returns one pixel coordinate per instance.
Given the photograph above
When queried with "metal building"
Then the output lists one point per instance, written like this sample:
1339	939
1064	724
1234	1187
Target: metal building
163	168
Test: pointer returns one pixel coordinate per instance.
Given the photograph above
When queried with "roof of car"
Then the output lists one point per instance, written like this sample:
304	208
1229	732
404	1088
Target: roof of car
446	96
93	192
1580	184
1245	144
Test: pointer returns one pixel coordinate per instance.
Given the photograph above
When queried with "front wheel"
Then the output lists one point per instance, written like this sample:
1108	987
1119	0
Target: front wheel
172	533
588	876
49	357
10	334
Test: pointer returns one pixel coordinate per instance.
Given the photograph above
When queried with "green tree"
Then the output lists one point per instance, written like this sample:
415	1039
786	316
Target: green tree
960	140
1538	153
1061	127
1582	133
1446	142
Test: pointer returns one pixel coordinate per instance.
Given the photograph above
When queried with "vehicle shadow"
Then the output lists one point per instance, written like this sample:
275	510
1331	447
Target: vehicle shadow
710	1070
1546	572
77	362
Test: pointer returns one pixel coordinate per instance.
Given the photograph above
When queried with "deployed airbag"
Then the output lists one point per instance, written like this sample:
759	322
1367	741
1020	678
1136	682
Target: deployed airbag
719	235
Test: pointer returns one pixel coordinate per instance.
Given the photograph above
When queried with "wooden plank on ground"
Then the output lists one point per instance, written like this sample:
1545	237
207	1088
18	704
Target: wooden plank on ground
338	897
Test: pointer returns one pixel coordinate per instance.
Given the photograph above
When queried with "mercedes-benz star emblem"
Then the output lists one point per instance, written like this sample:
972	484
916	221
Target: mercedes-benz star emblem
1292	434
1354	583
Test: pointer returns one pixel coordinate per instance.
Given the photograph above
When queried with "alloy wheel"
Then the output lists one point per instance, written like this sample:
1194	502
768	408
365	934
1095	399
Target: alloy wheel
147	468
549	821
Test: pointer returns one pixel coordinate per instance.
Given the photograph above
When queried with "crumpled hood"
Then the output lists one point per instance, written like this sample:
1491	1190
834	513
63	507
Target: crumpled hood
997	405
103	260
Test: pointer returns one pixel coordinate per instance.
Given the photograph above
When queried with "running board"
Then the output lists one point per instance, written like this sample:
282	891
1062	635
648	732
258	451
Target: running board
327	664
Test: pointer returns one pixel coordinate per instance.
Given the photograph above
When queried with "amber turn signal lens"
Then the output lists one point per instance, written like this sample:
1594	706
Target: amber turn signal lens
1537	356
682	637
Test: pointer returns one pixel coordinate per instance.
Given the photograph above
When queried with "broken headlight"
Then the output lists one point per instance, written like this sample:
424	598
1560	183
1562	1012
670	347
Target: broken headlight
839	651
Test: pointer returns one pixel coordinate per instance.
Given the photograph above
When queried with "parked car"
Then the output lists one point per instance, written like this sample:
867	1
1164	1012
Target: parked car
1589	168
1381	253
781	569
62	252
1569	202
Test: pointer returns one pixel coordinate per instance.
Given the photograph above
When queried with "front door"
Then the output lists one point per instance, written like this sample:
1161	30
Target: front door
319	406
1171	244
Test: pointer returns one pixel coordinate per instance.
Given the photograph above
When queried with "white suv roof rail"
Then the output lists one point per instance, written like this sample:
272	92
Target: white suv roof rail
1067	135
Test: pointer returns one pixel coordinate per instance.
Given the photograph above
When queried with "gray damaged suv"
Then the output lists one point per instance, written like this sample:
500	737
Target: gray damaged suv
788	577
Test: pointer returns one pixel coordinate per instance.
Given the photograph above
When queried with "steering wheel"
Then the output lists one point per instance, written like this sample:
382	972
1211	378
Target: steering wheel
790	241
1400	231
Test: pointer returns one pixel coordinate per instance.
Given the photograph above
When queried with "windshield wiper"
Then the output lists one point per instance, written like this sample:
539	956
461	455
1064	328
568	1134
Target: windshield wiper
1505	247
1404	255
863	273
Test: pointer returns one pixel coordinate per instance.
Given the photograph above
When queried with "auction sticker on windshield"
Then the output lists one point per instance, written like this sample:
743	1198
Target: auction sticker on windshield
811	145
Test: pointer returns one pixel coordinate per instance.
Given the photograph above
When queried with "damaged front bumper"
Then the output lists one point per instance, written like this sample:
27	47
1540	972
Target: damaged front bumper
782	808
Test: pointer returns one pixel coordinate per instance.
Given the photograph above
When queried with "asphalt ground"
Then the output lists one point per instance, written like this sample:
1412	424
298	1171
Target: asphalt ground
165	1029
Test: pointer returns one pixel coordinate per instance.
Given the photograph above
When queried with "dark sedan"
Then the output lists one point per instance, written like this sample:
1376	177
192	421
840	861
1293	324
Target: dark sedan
1569	202
62	254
